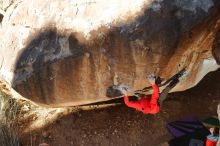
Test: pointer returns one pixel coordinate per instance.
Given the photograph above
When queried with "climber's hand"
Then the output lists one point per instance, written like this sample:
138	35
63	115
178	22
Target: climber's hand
151	78
124	91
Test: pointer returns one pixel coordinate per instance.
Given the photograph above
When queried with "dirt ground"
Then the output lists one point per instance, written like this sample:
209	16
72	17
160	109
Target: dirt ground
123	126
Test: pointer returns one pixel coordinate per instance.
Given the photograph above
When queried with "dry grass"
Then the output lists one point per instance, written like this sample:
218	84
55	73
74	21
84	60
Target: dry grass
9	111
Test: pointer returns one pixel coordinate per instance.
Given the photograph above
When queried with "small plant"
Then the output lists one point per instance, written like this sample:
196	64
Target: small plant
9	113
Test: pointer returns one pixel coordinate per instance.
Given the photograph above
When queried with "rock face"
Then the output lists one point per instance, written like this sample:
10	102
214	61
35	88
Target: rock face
216	47
64	53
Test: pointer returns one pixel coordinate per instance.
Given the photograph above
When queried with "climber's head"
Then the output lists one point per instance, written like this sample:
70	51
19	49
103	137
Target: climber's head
214	131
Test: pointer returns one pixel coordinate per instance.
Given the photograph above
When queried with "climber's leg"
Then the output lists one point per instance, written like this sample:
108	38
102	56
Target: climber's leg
167	89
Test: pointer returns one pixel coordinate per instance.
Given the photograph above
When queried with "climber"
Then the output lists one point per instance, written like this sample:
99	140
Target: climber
150	105
211	140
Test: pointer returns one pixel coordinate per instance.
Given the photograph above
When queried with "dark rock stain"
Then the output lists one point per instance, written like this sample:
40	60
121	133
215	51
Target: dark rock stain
74	45
43	45
216	47
1	17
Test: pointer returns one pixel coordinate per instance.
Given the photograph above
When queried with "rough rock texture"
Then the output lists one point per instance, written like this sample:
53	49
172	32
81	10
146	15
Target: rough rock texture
68	53
216	47
4	4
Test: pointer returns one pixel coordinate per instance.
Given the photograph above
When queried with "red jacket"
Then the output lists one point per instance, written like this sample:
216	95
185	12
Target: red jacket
146	105
211	140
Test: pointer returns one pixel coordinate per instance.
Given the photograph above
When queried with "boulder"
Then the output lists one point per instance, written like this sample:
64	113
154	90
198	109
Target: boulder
66	53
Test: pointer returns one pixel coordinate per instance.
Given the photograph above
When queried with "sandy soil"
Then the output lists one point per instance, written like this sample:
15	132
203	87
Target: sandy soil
123	126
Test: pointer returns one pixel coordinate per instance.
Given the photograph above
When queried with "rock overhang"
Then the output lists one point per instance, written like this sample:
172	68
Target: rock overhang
53	58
